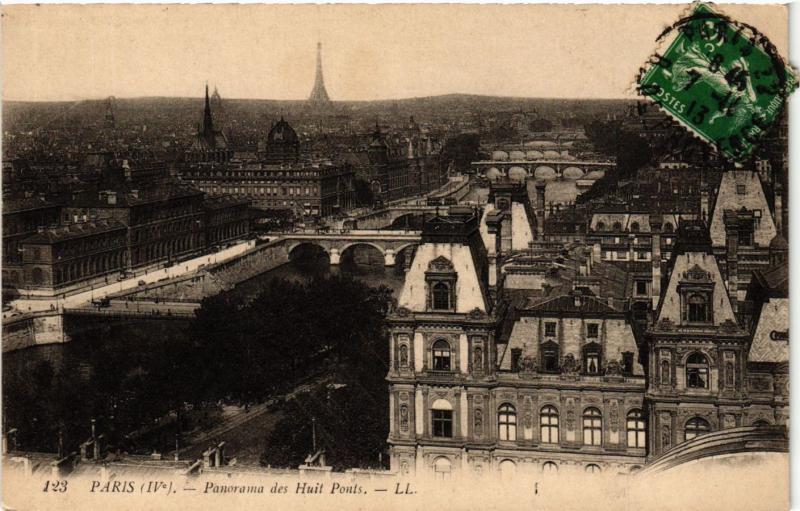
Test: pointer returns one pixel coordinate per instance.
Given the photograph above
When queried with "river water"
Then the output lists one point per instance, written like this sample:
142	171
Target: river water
365	265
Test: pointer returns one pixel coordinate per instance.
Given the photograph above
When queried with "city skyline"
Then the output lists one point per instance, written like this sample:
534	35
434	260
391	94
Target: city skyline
394	52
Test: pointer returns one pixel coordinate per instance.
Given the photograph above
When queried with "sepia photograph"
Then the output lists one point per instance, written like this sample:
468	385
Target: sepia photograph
398	256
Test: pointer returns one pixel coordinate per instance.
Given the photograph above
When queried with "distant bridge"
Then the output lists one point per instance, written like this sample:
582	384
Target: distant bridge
335	243
546	169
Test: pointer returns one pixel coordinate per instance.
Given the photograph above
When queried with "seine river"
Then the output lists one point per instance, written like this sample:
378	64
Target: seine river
365	265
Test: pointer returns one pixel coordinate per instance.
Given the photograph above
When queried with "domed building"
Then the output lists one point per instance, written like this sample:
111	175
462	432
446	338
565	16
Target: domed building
283	144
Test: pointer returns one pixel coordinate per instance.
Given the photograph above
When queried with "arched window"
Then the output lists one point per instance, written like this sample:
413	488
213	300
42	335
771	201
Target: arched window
695	427
761	423
441	356
636	429
592	468
592	427
617	226
601	226
698	308
634	226
697	371
548	420
591	358
442	468
441	296
668	227
508	469
549	467
507	422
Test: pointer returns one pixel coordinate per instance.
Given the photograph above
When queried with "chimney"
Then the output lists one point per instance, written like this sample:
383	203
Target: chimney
655	287
704	204
731	220
597	254
540	188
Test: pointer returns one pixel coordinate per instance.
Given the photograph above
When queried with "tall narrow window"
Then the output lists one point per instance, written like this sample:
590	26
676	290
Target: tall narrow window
636	429
441	355
592	427
698	308
548	421
591	358
507	422
549	353
697	371
696	427
441	296
443	423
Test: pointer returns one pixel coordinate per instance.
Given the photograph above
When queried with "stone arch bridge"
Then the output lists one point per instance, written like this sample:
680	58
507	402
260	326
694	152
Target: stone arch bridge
335	243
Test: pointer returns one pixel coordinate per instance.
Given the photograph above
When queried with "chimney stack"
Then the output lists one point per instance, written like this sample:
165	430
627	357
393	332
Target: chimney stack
704	203
731	220
655	228
779	208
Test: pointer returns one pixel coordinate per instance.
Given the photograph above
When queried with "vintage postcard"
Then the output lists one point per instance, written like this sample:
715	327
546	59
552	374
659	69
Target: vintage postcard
395	257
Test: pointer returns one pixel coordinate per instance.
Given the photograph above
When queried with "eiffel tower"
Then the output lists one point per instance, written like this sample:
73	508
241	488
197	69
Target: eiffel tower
318	94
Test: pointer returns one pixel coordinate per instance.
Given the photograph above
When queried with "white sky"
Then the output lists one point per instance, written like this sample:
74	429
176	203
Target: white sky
58	52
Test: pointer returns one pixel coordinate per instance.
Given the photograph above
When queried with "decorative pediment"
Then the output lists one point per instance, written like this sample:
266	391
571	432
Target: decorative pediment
441	264
698	275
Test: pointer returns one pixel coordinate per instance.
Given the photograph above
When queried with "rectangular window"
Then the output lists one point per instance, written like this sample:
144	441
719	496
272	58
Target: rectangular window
642	256
641	288
516	356
550	329
622	255
627	363
591	330
741	189
443	423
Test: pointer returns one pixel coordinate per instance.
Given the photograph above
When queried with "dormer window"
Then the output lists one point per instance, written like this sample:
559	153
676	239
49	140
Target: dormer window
441	296
696	291
550	357
698	308
591	358
441	279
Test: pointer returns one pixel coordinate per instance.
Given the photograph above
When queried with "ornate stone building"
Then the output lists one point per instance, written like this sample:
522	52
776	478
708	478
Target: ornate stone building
442	338
698	377
279	178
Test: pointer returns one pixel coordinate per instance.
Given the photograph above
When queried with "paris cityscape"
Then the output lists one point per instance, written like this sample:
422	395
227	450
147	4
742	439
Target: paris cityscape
444	286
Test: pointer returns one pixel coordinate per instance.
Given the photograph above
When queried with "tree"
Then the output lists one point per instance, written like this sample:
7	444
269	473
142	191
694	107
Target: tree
364	195
462	150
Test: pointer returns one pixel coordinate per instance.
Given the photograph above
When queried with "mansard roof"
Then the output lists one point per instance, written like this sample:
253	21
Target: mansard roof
741	189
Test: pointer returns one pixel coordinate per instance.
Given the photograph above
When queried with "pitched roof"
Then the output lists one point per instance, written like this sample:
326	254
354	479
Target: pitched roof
575	302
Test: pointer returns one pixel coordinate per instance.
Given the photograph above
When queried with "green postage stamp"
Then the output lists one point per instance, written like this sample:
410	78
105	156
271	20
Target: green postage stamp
721	79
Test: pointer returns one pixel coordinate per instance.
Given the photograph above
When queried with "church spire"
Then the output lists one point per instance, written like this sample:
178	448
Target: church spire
318	93
208	123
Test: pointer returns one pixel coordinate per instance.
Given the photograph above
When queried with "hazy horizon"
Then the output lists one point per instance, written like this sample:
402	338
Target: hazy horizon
389	52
